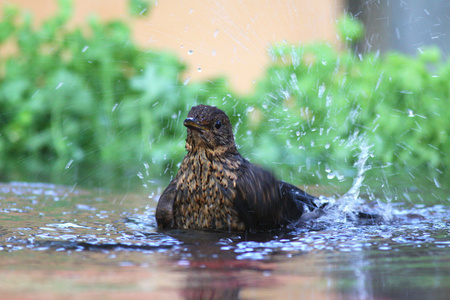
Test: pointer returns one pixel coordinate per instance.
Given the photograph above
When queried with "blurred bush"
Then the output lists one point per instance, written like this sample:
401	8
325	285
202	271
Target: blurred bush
87	106
322	98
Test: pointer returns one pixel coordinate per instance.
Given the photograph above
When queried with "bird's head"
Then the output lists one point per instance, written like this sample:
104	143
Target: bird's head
209	128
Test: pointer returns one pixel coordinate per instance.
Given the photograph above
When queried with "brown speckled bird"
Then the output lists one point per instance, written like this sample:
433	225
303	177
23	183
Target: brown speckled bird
216	188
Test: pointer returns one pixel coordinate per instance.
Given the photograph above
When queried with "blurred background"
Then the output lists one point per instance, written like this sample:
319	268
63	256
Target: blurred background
92	92
231	38
219	37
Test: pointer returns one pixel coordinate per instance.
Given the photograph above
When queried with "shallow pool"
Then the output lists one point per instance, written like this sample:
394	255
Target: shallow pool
59	242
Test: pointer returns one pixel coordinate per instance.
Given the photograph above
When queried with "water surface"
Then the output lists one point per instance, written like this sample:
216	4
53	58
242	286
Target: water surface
61	242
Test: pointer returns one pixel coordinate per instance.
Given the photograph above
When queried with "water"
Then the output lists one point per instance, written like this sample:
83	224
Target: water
59	242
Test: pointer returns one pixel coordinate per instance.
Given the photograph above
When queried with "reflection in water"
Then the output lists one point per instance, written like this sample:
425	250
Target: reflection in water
223	279
213	271
55	230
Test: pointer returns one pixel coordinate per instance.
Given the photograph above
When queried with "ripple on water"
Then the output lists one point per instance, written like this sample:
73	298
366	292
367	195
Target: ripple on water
70	226
65	218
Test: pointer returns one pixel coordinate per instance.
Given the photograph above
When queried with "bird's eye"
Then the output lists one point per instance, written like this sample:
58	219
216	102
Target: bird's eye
218	124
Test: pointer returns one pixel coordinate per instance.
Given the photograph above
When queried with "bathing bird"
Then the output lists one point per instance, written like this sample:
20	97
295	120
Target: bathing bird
218	189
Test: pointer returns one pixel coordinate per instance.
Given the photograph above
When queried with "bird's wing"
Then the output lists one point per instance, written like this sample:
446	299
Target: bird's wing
164	209
259	201
301	197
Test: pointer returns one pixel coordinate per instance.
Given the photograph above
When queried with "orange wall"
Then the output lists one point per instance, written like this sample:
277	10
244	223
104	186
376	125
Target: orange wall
226	37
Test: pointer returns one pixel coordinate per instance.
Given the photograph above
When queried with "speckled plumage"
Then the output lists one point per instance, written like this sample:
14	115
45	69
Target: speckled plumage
216	188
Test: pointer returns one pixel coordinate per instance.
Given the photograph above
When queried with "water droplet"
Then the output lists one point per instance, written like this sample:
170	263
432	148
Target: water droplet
331	175
410	113
397	31
68	164
85	48
321	90
436	182
327	146
199	69
328	102
59	85
190	52
216	33
250	109
115	106
186	81
183	262
379	81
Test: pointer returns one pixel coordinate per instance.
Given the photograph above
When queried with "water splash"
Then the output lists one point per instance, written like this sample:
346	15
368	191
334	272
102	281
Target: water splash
346	207
349	201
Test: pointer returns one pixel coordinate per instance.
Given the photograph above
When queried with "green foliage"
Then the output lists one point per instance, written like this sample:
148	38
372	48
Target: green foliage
139	7
322	98
350	29
88	106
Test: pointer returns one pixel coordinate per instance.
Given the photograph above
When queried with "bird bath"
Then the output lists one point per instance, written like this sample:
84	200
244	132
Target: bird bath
58	242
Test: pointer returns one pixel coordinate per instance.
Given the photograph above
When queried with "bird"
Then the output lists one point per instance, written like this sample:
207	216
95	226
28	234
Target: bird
216	188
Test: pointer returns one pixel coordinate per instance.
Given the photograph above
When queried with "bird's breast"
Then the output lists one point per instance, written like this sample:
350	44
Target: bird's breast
206	190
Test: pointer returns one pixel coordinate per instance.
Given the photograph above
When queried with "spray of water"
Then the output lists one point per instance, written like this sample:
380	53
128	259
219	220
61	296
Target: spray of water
348	202
347	206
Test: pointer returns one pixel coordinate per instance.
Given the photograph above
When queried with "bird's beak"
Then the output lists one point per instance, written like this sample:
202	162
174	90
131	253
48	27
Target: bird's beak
193	123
